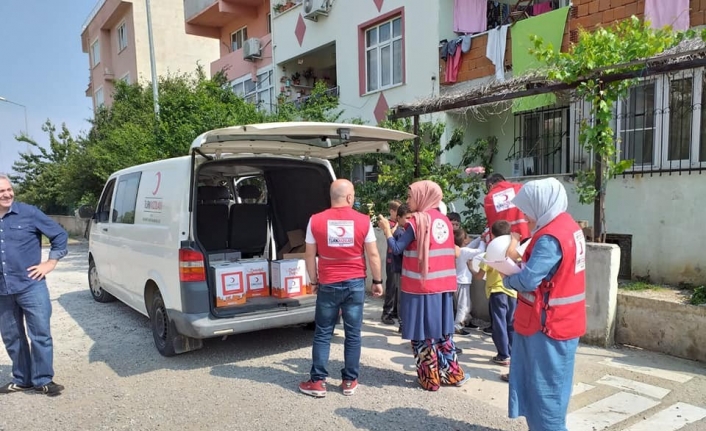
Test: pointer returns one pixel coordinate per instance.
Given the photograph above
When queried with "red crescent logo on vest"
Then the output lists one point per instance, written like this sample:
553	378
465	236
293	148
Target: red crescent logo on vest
159	181
505	198
341	231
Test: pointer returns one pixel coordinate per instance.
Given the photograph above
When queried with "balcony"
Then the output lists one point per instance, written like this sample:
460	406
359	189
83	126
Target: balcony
218	13
235	66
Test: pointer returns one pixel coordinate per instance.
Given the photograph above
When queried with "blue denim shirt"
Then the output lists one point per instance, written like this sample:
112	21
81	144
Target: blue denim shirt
21	232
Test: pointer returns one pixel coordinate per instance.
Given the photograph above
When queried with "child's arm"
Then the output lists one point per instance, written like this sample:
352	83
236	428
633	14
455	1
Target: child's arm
512	249
476	275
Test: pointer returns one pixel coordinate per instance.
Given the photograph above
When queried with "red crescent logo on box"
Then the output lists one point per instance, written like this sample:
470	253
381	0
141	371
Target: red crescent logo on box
159	181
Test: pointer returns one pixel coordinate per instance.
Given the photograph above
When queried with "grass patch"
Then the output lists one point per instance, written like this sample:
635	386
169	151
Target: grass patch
699	296
637	286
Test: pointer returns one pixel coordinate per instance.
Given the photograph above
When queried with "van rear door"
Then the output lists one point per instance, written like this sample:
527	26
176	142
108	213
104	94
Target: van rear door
306	139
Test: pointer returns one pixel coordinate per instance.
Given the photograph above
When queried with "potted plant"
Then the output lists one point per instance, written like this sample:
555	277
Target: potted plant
296	76
309	76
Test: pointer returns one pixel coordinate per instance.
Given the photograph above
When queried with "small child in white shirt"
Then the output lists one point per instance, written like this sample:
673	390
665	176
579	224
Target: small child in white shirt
464	278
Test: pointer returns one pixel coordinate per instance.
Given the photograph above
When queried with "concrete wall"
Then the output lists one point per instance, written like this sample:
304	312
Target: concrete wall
662	326
74	226
602	264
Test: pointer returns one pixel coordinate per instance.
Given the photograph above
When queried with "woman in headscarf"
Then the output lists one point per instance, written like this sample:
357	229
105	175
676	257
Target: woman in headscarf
428	283
551	308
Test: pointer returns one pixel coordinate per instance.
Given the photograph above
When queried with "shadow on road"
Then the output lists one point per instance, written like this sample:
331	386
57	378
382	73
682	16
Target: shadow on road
290	372
402	417
122	339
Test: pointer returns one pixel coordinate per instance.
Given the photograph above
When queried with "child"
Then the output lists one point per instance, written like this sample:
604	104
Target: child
455	219
388	312
502	300
463	280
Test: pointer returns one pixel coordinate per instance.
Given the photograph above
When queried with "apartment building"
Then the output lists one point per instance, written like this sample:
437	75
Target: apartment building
650	210
116	40
243	31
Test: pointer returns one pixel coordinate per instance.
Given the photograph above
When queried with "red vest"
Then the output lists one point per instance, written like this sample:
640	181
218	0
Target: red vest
340	241
497	206
441	276
565	309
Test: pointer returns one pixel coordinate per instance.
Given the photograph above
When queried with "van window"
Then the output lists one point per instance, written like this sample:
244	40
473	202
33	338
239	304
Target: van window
126	198
103	209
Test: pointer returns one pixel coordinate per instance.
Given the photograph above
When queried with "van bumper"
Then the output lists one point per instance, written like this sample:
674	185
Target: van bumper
203	325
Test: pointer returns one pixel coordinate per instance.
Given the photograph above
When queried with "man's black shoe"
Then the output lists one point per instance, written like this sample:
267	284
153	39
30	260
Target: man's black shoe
387	320
51	389
12	387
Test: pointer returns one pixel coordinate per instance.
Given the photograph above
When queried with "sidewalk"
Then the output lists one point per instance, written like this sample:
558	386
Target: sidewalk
614	389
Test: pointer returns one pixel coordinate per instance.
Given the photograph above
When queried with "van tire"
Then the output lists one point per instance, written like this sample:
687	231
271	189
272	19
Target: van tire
163	330
94	285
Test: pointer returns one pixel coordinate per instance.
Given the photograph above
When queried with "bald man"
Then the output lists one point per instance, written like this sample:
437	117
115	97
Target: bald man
341	236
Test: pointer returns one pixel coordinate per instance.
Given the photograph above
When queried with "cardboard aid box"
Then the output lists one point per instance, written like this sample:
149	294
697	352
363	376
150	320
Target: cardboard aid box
289	278
230	283
257	280
307	281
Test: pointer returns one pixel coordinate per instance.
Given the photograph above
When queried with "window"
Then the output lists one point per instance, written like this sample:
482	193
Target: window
636	126
260	93
238	38
126	198
540	141
383	55
103	208
122	37
99	99
95	53
659	125
126	78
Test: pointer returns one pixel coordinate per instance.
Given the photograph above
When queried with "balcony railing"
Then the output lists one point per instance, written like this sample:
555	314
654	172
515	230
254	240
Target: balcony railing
92	15
195	7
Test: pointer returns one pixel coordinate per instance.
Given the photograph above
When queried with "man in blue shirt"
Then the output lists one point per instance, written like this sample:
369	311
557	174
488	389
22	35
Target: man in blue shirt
24	297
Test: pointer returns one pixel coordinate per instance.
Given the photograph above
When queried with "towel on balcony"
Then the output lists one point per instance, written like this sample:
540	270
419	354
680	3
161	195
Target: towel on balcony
495	50
550	27
470	16
668	12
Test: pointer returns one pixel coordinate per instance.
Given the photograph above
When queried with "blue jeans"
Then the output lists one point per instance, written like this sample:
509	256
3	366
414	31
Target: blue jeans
502	314
347	297
32	306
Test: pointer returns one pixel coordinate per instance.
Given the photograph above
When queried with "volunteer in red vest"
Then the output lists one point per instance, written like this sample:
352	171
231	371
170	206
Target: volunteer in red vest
428	283
551	308
342	237
498	204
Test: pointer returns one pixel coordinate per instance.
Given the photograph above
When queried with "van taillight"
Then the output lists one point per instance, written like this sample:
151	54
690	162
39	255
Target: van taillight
191	265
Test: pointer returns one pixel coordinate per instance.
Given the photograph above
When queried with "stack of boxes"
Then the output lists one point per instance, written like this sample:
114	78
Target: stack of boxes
239	279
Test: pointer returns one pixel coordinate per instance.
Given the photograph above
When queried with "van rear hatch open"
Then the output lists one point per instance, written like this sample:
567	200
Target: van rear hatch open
289	158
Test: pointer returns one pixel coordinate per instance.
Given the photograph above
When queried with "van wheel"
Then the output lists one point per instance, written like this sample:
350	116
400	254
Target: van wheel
163	329
94	284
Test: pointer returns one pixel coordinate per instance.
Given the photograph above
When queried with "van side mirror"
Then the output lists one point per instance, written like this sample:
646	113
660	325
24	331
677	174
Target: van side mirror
86	212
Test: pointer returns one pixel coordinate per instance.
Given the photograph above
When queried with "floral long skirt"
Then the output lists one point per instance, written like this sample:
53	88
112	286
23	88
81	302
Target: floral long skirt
437	363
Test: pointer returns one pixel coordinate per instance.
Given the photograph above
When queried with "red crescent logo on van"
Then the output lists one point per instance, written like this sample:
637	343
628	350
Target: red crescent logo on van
159	181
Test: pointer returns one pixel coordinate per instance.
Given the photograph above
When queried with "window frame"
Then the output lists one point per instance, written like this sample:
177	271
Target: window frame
95	97
658	131
106	198
254	95
123	78
95	47
122	38
363	49
243	32
123	181
540	161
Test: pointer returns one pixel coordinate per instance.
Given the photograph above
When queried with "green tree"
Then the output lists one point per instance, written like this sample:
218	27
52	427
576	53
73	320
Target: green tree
40	174
603	51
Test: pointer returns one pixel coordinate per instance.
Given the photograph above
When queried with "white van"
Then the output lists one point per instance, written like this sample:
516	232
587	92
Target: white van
158	226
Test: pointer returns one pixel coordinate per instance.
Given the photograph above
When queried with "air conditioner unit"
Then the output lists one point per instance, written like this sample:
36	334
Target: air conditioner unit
251	49
314	8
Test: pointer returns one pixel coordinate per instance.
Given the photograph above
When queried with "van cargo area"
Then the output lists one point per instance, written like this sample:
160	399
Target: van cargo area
251	215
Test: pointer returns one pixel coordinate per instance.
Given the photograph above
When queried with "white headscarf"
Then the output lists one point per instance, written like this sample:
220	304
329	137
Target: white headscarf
542	200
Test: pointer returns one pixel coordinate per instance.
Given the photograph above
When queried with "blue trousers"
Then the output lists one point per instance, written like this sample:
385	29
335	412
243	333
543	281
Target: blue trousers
348	297
502	315
35	366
